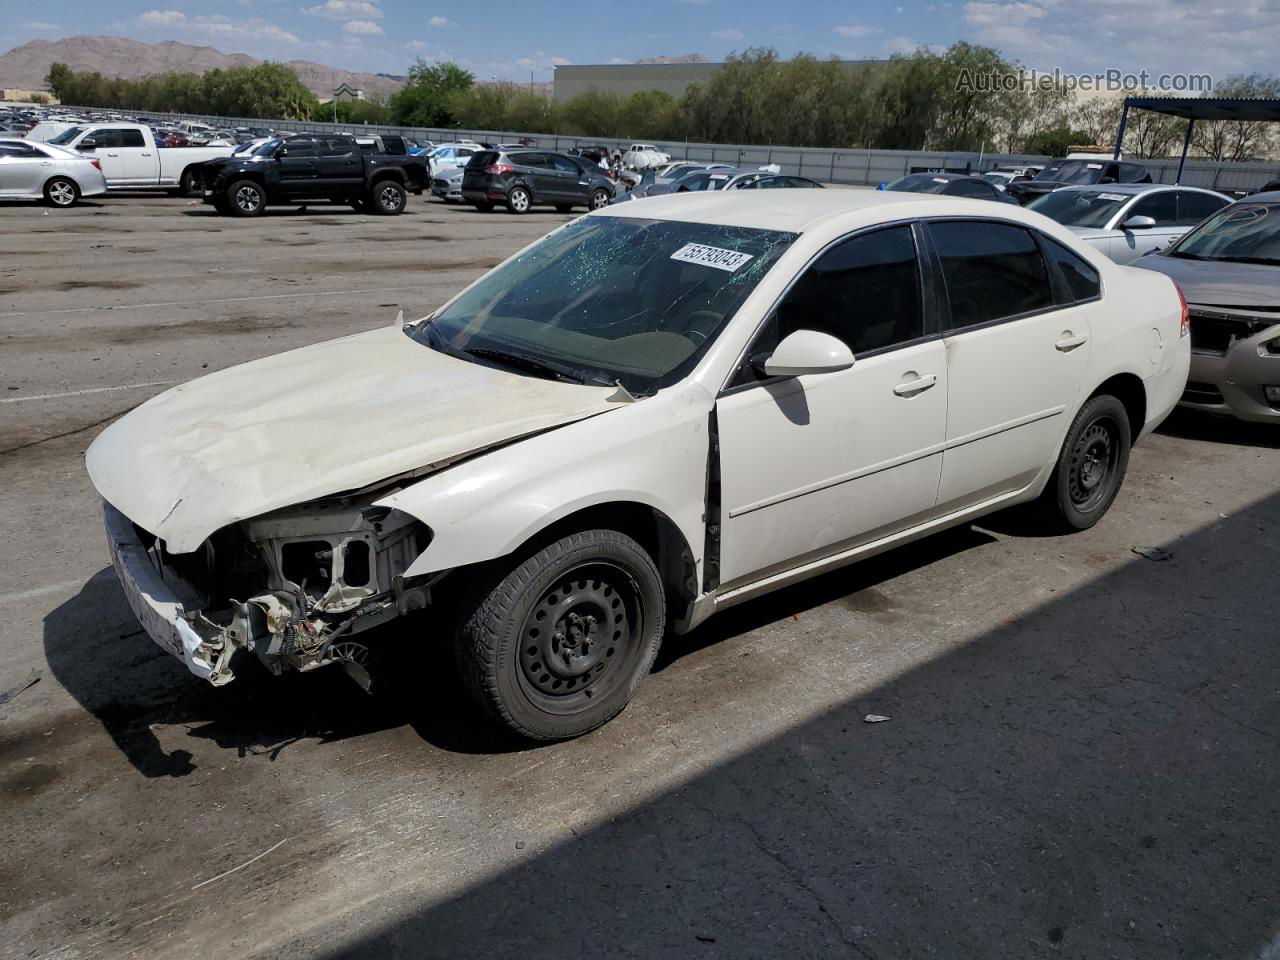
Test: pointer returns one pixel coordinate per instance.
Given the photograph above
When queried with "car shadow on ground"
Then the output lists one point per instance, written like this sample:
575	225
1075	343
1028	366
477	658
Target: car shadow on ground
1094	779
1194	425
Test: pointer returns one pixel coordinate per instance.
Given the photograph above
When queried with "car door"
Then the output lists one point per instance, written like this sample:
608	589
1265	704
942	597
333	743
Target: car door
23	170
340	166
1015	358
571	183
535	168
297	167
1162	207
817	464
141	164
107	143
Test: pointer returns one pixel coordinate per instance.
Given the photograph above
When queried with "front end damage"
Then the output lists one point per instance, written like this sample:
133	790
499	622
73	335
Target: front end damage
295	586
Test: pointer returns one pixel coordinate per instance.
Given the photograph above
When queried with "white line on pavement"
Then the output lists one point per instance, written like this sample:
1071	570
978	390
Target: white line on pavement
81	393
34	593
190	303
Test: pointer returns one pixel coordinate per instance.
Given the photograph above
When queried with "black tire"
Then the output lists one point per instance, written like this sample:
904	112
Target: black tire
1091	465
387	198
484	206
246	198
563	208
600	198
555	642
61	192
519	200
187	183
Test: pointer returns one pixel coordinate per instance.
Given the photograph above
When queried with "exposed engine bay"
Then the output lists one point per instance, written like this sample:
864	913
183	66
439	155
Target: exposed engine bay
294	586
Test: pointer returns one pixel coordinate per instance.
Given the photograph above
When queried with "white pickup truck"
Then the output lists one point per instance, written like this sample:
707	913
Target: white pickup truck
131	160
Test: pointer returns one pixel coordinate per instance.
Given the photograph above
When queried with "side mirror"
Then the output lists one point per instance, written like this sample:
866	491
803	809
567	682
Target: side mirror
805	351
282	153
88	143
1138	223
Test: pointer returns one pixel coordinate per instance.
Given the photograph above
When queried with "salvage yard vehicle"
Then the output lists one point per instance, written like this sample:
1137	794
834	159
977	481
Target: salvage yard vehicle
131	160
951	185
312	168
522	179
1079	172
652	413
447	185
1129	220
38	171
1229	269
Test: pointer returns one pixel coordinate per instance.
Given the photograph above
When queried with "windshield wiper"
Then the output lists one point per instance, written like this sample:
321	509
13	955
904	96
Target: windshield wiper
1187	256
1265	261
522	361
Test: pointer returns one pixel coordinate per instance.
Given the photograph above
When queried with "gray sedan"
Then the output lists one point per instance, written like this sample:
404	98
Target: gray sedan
41	171
1128	220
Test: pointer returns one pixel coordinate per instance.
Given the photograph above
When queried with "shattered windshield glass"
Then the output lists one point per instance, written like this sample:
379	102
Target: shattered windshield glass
609	299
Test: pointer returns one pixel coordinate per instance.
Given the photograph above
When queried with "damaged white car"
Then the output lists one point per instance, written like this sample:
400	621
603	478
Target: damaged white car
654	412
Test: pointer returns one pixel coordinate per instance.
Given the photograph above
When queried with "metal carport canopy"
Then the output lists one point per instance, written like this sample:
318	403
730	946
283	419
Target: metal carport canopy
1192	109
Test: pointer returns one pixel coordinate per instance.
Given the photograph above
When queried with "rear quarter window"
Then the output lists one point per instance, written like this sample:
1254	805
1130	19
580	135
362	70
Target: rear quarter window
992	271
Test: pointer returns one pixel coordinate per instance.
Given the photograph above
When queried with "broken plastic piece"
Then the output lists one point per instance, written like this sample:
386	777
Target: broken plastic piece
1153	553
874	718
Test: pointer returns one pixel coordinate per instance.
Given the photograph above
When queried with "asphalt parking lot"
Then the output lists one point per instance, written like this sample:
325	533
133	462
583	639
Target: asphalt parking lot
1079	759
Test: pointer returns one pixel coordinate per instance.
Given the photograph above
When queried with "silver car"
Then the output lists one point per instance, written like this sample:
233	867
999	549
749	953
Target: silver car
1228	270
1128	220
447	185
41	171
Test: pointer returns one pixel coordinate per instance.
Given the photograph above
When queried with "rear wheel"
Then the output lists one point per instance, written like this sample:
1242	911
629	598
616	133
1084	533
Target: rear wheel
61	192
1091	465
519	200
556	644
245	198
389	198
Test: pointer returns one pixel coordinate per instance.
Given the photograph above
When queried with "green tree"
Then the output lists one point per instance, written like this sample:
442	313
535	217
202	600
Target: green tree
424	100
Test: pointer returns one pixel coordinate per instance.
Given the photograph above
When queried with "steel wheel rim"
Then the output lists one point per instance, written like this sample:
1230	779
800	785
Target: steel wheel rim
389	198
62	193
581	638
247	199
599	200
520	200
1093	464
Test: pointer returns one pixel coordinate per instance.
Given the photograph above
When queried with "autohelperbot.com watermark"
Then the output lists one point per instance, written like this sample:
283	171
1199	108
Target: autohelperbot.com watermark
1108	81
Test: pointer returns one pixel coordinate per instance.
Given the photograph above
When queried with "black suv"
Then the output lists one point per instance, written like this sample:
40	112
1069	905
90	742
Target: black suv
1076	172
524	178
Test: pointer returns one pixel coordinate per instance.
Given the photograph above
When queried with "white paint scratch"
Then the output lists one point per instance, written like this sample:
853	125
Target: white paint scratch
227	873
89	390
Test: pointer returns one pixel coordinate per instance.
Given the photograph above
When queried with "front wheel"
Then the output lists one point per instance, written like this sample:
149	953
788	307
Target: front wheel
599	199
556	644
187	186
389	198
245	198
61	192
519	200
1091	465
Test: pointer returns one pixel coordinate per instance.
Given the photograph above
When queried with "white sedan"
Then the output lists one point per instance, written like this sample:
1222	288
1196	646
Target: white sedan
1127	221
41	171
654	412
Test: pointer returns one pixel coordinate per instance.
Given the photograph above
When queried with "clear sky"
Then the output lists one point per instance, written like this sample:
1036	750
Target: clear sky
507	39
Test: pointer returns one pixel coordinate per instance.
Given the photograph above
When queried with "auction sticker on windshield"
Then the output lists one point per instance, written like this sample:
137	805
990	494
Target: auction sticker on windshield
717	257
1112	196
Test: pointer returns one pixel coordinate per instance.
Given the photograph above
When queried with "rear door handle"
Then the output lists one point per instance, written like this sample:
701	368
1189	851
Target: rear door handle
918	385
1070	342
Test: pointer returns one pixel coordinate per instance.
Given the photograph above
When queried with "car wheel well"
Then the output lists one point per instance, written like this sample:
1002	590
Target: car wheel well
387	175
649	527
1128	389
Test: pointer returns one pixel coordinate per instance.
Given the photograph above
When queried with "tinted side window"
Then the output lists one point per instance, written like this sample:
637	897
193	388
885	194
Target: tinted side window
564	164
970	188
529	159
864	291
17	150
1194	207
1134	173
992	271
338	147
1082	279
300	148
1161	207
132	138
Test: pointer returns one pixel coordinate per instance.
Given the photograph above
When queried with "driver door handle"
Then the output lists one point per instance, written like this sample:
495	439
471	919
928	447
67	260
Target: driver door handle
1069	342
918	385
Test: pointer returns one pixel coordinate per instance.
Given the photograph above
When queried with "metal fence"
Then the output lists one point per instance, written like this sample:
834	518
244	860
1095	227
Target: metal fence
857	167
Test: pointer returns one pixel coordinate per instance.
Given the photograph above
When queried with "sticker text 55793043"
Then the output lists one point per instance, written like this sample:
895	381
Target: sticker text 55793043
717	257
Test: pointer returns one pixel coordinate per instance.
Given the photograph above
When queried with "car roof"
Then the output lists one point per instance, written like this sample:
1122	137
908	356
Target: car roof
1271	196
796	211
1132	188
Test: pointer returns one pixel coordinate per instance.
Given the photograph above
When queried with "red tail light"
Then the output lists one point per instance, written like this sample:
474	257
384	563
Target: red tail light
1185	330
499	168
97	164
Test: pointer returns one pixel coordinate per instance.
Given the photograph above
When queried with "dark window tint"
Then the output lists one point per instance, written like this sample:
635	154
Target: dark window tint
864	291
1161	207
992	271
1082	279
564	164
338	147
970	188
529	160
17	150
132	138
1134	173
484	158
300	148
1194	207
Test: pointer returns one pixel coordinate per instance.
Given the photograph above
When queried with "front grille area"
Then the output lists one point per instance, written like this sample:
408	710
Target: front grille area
1215	332
1202	393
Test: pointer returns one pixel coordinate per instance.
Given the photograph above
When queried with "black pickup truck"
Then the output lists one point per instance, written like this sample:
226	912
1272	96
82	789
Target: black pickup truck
311	168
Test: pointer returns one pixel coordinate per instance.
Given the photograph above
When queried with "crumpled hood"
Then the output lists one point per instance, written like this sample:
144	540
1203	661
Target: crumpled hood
310	423
1218	284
